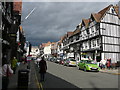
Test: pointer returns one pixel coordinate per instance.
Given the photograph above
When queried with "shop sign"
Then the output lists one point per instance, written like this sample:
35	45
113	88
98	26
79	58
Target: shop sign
83	53
13	35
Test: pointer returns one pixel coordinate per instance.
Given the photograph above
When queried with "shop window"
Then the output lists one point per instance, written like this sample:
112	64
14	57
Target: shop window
90	44
98	42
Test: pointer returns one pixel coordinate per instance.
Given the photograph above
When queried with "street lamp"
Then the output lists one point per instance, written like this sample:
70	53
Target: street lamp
28	44
28	47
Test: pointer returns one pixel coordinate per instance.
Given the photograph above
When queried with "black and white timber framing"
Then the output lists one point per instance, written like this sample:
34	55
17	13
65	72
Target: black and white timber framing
97	39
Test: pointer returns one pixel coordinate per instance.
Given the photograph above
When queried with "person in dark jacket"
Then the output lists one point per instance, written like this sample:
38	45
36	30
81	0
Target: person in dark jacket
43	68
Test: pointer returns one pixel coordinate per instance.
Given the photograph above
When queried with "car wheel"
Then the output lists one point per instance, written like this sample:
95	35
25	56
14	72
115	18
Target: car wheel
97	70
85	69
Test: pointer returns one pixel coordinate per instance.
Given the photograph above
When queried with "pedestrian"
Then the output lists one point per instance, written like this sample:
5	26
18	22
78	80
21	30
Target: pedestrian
6	73
43	68
37	61
108	63
14	64
103	63
25	60
98	63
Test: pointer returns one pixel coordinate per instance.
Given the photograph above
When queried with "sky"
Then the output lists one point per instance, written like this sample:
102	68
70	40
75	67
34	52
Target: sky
51	20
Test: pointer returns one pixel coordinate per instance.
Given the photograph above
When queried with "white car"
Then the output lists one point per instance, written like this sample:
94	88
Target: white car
70	62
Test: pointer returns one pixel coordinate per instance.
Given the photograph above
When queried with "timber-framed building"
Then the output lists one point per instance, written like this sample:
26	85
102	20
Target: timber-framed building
97	37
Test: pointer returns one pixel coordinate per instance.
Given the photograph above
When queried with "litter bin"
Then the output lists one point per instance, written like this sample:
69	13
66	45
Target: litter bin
23	78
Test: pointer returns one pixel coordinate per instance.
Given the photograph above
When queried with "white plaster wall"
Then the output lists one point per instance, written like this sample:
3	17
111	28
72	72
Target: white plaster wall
47	50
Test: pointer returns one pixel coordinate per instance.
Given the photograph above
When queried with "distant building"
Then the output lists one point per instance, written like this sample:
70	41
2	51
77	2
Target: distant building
66	49
60	53
35	51
47	49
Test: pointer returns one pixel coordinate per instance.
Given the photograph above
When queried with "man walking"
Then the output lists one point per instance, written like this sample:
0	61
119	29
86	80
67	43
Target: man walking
43	68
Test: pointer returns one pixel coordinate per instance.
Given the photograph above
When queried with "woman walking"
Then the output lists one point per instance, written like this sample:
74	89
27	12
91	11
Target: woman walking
6	73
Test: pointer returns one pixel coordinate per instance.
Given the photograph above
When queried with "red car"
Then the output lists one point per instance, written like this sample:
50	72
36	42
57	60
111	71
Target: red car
61	61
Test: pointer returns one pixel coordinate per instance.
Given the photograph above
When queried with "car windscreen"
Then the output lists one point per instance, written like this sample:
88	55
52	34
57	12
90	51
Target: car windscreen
72	60
90	62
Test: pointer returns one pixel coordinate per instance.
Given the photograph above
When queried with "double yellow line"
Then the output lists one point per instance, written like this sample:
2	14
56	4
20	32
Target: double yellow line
38	83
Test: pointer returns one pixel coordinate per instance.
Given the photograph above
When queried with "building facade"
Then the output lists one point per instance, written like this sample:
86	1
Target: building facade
97	37
11	20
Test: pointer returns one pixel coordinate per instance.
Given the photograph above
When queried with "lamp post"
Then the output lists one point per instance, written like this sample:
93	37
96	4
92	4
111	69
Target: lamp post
28	44
28	47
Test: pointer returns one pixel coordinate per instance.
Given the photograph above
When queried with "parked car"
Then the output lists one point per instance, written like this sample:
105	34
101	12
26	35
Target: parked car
57	60
88	65
52	59
37	61
34	58
61	61
70	62
64	62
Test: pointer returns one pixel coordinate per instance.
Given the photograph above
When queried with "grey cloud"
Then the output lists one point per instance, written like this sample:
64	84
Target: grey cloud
50	21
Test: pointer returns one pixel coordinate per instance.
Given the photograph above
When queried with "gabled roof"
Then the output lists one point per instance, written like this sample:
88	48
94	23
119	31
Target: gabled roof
76	31
98	16
53	43
43	45
59	42
64	37
116	8
69	34
85	22
48	43
103	11
61	38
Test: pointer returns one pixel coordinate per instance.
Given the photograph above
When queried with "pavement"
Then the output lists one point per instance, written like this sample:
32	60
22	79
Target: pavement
34	78
32	82
111	71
